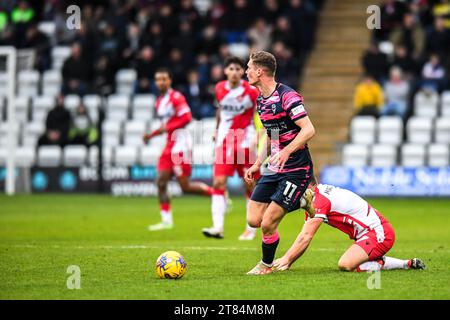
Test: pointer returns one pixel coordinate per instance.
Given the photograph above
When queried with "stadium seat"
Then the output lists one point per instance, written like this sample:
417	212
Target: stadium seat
134	130
93	156
390	130
438	155
71	102
149	156
413	155
362	130
445	104
442	133
31	133
126	155
111	133
28	83
3	84
144	115
125	79
75	156
51	83
93	103
41	105
144	101
25	156
117	107
426	104
107	155
354	155
59	55
49	156
4	133
383	155
419	130
22	104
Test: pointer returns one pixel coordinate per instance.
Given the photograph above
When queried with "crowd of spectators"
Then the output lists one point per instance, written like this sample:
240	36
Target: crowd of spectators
146	34
419	33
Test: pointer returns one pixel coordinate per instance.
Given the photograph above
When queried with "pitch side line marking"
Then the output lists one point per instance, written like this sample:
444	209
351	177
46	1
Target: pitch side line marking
129	247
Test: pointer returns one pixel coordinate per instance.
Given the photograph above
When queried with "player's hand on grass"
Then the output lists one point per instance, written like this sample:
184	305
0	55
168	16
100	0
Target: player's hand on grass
282	264
279	159
250	173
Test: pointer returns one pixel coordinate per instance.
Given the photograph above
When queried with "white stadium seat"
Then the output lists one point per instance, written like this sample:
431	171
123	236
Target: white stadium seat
413	155
28	83
426	104
438	155
92	101
383	155
362	130
59	55
442	133
117	107
25	156
125	79
149	156
445	104
75	156
3	84
134	130
51	82
144	115
126	155
107	155
354	155
31	133
390	130
111	133
72	101
419	130
41	105
144	102
49	156
4	133
22	108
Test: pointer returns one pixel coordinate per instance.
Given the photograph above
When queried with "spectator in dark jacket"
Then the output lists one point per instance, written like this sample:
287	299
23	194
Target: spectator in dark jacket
145	69
57	125
375	63
75	72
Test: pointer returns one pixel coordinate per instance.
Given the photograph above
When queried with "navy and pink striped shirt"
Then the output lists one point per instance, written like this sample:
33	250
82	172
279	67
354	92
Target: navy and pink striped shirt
278	114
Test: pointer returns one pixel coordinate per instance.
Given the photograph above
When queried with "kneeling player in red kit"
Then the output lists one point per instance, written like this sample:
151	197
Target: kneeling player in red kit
374	236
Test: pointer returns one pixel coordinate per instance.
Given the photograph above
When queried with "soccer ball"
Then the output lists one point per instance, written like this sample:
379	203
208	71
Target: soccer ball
171	265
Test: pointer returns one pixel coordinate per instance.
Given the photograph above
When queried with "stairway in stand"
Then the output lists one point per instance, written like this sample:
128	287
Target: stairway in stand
331	74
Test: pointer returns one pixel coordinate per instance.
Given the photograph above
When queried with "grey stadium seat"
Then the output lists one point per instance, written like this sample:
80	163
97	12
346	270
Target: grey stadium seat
438	155
31	133
354	155
51	83
72	101
413	155
49	156
41	105
442	128
25	156
149	156
126	155
383	155
75	156
362	130
390	130
134	130
59	55
419	130
118	106
28	83
125	79
426	105
111	132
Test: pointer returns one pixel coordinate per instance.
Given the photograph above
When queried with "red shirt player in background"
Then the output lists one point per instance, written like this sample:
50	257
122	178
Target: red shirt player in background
348	212
175	114
235	141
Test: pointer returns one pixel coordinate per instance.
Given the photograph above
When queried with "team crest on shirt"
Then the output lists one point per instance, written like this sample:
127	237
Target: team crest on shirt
274	108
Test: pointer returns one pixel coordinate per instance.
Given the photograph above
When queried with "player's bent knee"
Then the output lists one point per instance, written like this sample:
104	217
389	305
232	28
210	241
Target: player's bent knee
254	222
219	184
345	266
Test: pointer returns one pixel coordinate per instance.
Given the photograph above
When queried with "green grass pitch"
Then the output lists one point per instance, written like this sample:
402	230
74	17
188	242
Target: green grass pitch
41	235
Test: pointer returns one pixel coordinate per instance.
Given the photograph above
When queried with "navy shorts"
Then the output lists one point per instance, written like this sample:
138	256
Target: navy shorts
285	189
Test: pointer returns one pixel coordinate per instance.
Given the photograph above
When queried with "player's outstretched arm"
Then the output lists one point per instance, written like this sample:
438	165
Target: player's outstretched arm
300	244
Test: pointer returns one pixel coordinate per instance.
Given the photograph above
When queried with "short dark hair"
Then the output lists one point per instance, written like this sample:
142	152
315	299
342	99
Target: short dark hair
234	60
164	70
265	60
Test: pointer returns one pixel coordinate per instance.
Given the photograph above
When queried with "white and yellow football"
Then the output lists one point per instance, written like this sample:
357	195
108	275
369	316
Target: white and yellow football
171	265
